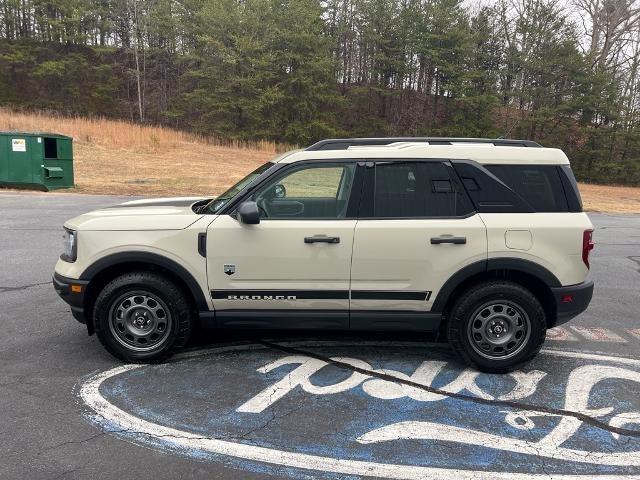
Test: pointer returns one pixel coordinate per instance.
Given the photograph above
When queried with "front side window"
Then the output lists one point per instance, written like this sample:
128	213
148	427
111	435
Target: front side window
311	191
416	190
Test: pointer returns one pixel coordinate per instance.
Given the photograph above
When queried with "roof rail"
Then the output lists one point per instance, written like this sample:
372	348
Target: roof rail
344	143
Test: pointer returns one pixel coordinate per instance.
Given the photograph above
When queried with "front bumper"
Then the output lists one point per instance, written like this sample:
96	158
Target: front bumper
72	291
572	300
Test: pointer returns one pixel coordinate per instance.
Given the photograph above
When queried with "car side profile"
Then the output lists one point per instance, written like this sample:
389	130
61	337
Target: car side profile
482	240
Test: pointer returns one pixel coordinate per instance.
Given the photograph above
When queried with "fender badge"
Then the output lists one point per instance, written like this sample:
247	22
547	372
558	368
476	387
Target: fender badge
229	269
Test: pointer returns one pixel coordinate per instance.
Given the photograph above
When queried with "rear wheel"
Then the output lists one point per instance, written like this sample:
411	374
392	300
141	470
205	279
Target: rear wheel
142	317
496	326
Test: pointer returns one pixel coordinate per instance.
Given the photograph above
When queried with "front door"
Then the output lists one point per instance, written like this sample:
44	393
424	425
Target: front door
293	268
417	229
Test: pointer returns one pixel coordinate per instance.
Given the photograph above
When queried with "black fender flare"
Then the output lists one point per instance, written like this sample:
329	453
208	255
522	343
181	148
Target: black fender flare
152	259
492	264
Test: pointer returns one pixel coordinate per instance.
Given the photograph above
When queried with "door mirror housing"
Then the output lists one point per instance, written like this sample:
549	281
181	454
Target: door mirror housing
248	213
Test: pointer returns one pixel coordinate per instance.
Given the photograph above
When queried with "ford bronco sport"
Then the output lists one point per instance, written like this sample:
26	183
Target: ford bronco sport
482	240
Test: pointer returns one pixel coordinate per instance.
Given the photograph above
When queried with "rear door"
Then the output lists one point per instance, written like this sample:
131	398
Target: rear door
417	229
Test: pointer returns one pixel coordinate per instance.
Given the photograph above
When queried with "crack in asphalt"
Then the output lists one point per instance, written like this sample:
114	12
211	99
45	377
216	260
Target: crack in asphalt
276	416
66	473
636	260
127	431
77	442
23	287
594	422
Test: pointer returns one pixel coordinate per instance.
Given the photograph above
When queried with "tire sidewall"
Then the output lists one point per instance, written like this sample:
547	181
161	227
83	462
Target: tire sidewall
157	286
472	300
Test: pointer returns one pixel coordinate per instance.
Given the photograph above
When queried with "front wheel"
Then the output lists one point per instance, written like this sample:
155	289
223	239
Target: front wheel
496	326
142	317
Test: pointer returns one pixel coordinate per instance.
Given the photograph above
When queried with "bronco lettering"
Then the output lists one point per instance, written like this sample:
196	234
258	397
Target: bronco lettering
262	297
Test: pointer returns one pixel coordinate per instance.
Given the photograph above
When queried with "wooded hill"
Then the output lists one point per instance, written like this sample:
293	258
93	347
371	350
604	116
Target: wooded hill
294	71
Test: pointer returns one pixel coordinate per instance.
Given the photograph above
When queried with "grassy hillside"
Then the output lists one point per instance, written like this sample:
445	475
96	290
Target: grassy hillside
114	157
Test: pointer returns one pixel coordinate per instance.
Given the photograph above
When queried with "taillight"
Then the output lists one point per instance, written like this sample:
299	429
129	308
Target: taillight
587	246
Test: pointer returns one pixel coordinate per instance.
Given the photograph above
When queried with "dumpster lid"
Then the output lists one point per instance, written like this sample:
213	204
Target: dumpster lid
54	172
34	134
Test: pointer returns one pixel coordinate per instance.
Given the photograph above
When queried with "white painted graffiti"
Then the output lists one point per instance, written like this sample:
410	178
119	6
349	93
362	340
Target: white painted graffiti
580	384
579	389
425	374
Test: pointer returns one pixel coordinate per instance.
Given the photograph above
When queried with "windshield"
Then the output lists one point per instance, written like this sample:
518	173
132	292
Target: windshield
216	204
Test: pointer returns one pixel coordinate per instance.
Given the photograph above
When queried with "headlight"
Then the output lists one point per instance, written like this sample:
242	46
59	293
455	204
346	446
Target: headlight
70	251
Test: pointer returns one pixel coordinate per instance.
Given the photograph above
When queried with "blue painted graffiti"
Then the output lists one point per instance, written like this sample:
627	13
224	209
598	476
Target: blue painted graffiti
270	401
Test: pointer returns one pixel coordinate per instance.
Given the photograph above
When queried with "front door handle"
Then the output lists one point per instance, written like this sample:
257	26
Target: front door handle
448	239
321	239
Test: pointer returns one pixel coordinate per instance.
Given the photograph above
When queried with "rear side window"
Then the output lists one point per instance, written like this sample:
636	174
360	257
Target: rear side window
539	185
417	189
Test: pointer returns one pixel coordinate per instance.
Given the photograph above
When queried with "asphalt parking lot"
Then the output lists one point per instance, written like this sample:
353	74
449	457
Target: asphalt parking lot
291	406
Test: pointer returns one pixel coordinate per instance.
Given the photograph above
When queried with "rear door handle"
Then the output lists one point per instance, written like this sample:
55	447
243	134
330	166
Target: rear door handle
321	239
448	239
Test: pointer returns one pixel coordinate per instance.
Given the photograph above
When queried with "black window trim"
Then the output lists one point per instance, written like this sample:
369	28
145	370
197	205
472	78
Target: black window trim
369	189
570	187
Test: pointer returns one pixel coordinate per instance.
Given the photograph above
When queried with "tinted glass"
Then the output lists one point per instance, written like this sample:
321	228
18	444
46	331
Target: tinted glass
539	185
313	182
216	205
488	193
417	189
309	192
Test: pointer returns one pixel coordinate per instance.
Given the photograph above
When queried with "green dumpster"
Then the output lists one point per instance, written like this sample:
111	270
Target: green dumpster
36	160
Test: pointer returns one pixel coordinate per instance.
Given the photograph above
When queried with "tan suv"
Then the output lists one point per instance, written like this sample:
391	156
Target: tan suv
482	239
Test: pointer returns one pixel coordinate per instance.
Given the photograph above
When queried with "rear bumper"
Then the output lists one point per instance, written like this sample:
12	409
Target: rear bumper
572	300
73	296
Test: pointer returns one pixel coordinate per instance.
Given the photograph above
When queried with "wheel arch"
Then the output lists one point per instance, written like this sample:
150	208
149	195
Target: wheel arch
107	268
530	275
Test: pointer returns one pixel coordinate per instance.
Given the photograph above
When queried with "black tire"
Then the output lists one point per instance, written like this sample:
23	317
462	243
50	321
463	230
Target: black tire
162	299
474	341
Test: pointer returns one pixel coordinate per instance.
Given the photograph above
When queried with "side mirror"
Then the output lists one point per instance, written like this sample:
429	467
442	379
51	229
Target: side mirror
248	213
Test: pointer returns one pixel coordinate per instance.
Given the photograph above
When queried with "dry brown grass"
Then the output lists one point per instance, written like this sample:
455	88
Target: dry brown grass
612	199
114	133
116	157
184	169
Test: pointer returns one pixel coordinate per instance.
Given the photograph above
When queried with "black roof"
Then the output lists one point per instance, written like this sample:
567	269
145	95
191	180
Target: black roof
344	143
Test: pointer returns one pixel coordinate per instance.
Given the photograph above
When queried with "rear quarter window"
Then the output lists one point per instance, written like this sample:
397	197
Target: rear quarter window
539	185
